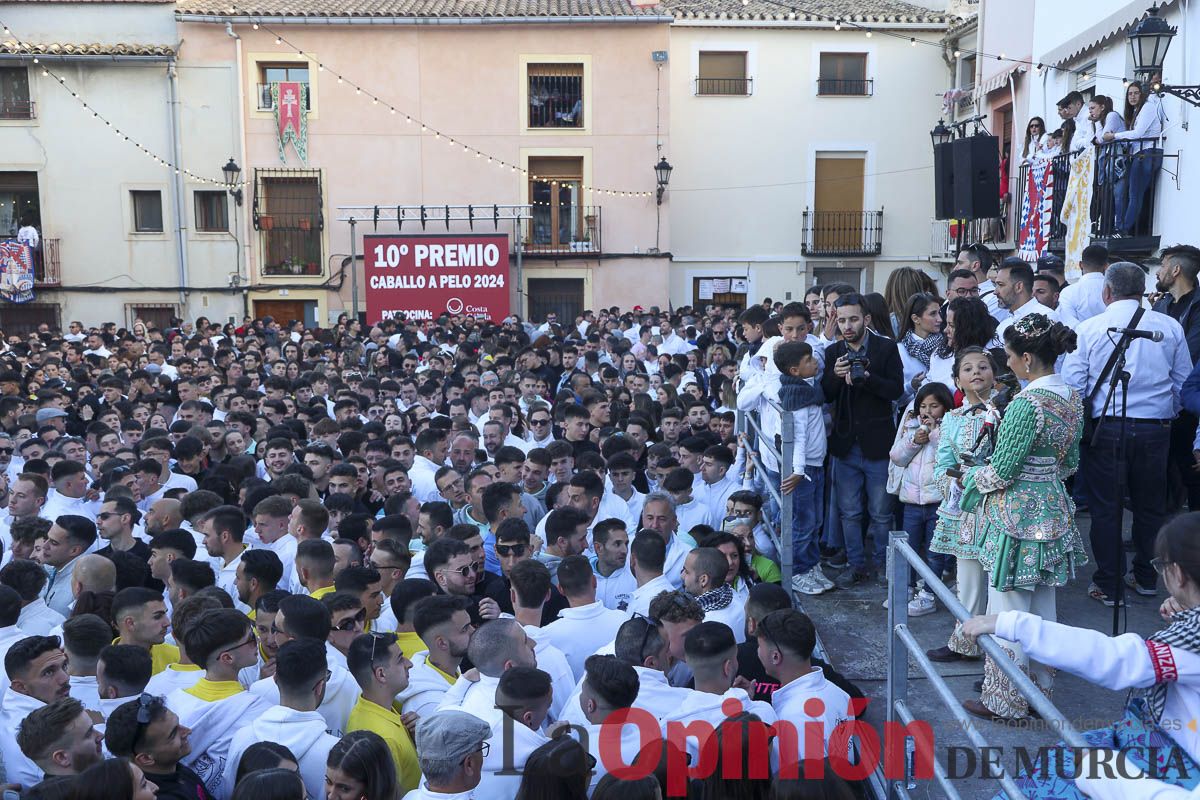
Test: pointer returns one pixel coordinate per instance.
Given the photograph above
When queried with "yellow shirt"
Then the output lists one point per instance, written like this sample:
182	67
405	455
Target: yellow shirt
450	679
410	643
160	655
368	716
324	590
212	691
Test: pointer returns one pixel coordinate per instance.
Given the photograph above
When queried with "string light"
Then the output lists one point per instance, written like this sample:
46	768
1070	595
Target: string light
868	34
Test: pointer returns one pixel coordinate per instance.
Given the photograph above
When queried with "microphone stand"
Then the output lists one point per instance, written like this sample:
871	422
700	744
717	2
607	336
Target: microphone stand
1119	376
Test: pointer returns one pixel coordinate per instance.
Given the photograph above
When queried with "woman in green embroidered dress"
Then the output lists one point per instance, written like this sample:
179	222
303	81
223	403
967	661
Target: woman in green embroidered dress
1028	541
957	532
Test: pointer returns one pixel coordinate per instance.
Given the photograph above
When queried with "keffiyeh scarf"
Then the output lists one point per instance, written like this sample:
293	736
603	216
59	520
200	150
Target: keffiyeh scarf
922	349
1183	633
717	599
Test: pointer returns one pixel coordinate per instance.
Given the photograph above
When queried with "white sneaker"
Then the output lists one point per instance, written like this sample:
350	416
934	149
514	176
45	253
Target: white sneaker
887	599
922	604
805	584
821	578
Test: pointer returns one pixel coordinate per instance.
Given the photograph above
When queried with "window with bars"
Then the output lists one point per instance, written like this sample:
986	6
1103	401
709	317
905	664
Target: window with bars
154	316
212	212
555	95
288	214
14	94
271	74
24	318
844	74
147	211
723	73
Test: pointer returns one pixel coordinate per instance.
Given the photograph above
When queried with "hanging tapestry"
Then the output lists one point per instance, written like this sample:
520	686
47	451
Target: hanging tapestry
1036	210
290	101
16	272
1076	210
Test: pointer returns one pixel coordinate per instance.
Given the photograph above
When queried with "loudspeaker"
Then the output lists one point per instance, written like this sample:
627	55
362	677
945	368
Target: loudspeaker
943	181
976	177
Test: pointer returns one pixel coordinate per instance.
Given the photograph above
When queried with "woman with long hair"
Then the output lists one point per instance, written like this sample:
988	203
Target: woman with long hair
881	318
558	770
920	336
271	784
1035	137
360	765
902	284
265	756
956	533
967	324
1161	672
1144	125
1029	544
111	779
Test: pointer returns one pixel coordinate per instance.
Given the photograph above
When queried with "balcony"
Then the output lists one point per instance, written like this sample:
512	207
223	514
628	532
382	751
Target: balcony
266	103
563	230
727	87
46	272
842	233
17	109
840	87
1114	160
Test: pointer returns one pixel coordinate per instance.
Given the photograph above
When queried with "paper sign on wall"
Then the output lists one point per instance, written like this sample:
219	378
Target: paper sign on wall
706	289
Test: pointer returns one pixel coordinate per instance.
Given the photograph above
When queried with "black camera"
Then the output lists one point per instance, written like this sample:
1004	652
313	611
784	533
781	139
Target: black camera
858	363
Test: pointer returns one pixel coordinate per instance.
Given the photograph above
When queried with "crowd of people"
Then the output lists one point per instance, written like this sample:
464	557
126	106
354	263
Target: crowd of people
448	559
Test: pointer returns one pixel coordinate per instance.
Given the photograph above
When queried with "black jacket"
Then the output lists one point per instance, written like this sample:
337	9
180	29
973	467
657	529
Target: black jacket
183	784
1187	314
862	414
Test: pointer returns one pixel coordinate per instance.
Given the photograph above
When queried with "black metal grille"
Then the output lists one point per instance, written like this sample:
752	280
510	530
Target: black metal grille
288	212
563	296
555	96
845	87
725	86
842	233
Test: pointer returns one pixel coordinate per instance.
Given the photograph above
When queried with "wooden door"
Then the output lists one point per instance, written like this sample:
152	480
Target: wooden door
284	311
837	224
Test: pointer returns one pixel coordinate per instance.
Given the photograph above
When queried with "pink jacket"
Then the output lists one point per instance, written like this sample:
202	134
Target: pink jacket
916	462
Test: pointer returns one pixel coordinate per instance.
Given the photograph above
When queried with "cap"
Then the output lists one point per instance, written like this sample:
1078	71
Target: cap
451	735
1049	261
152	368
44	415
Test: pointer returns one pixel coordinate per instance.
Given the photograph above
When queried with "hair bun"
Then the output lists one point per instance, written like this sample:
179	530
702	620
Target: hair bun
1062	339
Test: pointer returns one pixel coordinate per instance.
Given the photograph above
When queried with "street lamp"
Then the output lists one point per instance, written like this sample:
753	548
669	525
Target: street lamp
1148	44
662	171
941	134
232	173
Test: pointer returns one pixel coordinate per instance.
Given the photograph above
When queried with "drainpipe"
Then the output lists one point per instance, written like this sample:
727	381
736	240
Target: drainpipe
177	188
243	234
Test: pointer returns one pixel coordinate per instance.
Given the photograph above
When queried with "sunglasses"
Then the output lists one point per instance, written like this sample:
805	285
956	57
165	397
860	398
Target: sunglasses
464	570
390	638
651	626
531	422
506	550
148	704
103	515
352	623
8	451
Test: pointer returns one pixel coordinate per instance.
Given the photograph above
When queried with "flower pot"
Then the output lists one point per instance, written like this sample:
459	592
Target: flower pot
312	268
266	222
305	224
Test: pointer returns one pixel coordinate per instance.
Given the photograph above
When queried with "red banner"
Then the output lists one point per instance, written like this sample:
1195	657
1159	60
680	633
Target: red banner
421	277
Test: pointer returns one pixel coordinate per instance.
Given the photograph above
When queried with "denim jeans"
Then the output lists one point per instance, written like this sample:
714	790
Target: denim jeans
862	482
806	529
1131	189
919	522
1147	447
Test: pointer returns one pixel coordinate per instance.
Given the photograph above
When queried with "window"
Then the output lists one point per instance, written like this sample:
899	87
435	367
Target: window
966	72
723	73
271	74
555	95
14	94
559	224
212	213
24	318
288	213
1085	81
844	74
147	211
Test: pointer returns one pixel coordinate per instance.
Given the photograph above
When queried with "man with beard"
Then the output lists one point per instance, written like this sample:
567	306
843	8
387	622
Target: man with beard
445	627
156	746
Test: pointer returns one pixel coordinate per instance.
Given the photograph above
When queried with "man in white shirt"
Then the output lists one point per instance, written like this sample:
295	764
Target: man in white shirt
445	627
301	674
71	484
704	573
1157	371
498	645
431	456
1084	299
785	644
659	516
271	517
647	554
451	737
610	685
1014	288
615	581
587	625
622	469
716	483
523	699
1073	108
70	537
37	671
161	450
978	259
29	581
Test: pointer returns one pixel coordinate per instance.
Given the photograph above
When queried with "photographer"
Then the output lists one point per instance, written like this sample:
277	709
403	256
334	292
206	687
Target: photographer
867	376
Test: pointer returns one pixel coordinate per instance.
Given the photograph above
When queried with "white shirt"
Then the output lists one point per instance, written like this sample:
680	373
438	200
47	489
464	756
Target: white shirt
1147	125
424	487
987	293
706	707
227	579
86	690
1030	307
1082	300
175	676
285	548
1157	369
59	504
28	235
38	619
616	589
341	693
639	601
426	688
713	496
733	615
579	632
302	732
512	743
789	703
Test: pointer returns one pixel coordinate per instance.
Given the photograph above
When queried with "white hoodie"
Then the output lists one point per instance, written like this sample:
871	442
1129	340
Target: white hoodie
426	687
213	725
341	693
17	767
302	732
710	708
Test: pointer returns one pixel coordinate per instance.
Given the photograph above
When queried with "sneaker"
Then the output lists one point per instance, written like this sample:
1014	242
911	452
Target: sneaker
887	600
1144	591
821	578
837	560
851	578
806	584
1096	593
922	604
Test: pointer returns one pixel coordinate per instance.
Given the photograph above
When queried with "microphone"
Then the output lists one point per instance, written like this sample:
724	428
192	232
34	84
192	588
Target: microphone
1134	333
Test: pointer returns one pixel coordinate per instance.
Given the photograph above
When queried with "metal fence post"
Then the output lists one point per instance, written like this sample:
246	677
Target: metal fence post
786	556
898	571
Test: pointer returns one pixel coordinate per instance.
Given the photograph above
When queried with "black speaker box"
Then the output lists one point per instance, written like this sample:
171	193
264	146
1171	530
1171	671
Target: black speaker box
976	177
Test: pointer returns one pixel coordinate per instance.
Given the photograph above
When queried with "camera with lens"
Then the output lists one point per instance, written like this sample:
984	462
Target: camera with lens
858	363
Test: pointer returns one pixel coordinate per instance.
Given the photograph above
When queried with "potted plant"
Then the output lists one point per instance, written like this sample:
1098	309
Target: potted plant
312	268
266	222
305	224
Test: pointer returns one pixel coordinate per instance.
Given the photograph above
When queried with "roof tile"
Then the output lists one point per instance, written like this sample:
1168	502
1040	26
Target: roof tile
416	8
95	49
